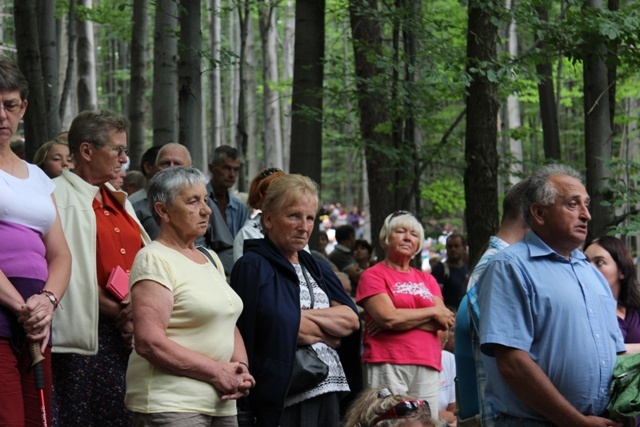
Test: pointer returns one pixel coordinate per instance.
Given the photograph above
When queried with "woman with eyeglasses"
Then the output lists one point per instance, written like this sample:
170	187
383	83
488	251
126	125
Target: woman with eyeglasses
93	333
403	311
252	228
35	262
378	407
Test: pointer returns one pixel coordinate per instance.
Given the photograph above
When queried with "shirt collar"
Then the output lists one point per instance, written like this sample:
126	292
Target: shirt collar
538	248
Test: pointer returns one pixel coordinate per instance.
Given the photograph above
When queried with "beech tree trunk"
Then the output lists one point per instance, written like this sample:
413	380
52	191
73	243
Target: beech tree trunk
137	104
87	89
49	59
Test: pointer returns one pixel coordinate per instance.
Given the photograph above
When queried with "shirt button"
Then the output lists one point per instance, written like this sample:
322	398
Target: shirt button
597	335
603	363
106	213
128	271
123	251
117	230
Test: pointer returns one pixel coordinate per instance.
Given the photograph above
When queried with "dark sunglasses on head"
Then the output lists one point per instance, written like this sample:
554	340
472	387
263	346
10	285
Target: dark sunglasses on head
265	173
400	213
404	409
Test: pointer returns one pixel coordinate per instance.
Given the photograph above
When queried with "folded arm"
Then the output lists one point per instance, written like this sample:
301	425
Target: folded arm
388	317
327	324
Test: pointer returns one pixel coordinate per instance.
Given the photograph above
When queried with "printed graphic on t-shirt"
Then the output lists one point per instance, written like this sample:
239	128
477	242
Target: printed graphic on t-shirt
409	288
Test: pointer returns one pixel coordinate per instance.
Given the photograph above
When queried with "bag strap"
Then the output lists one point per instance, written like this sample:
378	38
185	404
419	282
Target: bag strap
306	280
206	253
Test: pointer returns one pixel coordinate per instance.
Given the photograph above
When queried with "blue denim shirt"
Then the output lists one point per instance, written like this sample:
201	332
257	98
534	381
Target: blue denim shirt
558	310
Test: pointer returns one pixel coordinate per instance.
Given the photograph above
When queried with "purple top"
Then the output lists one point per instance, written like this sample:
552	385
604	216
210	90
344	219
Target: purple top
630	326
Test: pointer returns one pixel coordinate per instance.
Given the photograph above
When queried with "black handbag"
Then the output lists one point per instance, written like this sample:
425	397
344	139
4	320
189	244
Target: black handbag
308	369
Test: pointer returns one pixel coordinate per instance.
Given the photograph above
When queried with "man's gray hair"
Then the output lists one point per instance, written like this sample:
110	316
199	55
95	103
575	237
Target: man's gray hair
539	189
167	183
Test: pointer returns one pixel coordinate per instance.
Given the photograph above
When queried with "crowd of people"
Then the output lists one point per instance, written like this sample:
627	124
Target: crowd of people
161	298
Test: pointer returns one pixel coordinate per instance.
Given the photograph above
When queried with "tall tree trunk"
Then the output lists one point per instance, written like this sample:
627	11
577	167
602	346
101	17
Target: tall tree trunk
548	106
165	73
251	86
270	97
287	75
481	171
598	132
87	88
612	68
215	85
49	59
307	102
372	104
513	110
137	104
242	135
67	87
29	62
189	82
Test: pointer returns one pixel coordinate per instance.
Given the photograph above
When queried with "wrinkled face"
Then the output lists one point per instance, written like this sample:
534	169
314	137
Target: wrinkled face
58	158
563	224
455	249
106	159
403	241
173	156
290	228
226	172
601	259
119	181
12	109
188	214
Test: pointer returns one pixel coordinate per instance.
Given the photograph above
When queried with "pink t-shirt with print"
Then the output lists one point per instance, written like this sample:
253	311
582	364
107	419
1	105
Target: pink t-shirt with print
413	289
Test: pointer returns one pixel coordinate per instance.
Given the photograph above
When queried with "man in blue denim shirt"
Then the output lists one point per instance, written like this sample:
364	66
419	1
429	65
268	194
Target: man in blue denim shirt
548	323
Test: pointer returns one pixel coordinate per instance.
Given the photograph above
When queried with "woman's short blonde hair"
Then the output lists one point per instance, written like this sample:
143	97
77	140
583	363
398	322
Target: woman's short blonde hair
373	402
404	219
287	190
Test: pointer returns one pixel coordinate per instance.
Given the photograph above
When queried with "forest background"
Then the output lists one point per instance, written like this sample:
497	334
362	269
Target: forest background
435	106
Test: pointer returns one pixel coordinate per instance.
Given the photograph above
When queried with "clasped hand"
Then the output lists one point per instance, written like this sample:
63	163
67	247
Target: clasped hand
35	317
233	380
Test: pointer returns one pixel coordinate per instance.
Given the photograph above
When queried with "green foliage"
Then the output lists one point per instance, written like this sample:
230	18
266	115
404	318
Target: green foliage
624	186
445	196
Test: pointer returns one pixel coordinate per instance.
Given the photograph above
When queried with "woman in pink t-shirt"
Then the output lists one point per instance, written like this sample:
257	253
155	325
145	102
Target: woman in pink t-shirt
403	310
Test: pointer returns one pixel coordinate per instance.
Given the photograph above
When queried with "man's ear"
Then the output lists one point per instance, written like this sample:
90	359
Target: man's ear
85	150
537	212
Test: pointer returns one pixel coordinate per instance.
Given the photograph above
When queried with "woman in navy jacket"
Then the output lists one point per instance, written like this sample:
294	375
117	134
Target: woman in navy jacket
273	278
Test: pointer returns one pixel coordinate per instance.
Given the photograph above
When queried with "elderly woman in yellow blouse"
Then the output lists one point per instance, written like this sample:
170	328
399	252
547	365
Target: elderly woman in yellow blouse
189	361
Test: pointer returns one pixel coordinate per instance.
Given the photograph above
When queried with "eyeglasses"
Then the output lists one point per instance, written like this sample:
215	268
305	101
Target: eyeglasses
12	106
267	172
120	150
404	409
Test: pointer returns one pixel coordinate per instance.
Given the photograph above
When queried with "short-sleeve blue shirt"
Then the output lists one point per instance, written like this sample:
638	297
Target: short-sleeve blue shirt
559	311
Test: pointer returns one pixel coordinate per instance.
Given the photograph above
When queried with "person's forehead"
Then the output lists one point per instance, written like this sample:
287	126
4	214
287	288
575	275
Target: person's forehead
225	160
568	186
173	152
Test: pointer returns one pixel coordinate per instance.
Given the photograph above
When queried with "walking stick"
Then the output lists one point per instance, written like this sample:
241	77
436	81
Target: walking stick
38	375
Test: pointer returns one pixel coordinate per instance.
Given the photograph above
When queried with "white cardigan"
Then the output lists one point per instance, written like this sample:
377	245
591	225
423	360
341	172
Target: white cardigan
75	324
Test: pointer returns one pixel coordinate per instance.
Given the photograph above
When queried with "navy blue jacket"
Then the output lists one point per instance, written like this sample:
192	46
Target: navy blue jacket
270	290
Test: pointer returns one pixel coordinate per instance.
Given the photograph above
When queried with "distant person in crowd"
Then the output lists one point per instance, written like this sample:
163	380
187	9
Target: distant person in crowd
134	181
342	218
446	232
470	367
252	228
548	324
53	157
320	256
612	258
362	253
452	274
118	183
148	169
35	263
169	155
354	219
342	254
189	362
92	336
403	311
447	386
228	212
291	300
379	407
